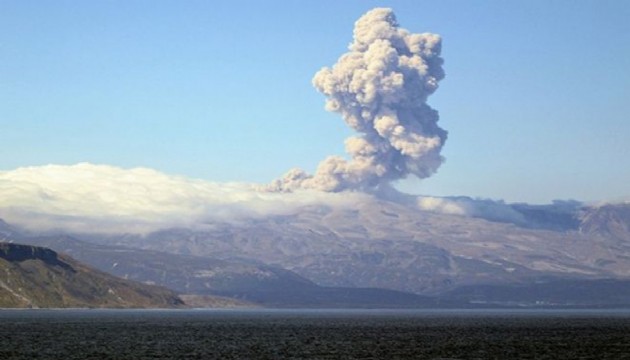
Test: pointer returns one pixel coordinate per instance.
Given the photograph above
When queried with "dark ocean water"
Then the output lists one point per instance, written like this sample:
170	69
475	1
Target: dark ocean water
312	334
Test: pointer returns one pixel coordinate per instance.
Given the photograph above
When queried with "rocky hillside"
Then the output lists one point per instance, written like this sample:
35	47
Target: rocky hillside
610	221
389	245
32	276
210	282
185	274
317	255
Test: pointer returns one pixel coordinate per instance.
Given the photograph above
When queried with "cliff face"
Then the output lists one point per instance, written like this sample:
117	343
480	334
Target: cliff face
19	253
32	276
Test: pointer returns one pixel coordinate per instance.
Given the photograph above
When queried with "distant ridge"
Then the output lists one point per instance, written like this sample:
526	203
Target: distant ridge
37	277
607	221
378	254
209	282
6	231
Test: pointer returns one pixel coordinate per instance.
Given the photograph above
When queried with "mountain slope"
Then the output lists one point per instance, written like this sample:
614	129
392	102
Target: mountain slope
610	221
389	245
32	276
185	274
379	244
202	277
7	231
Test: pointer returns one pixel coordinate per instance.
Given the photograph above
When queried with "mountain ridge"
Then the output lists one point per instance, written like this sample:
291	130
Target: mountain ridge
395	246
32	276
210	282
414	251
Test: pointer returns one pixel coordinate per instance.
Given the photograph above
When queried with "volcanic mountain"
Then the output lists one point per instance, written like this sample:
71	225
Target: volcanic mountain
545	251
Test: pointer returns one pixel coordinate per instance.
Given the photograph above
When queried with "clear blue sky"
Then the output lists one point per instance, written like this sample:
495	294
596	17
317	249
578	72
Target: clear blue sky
536	97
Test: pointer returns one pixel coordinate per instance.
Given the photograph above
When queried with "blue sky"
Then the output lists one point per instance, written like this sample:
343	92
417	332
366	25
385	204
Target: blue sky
535	97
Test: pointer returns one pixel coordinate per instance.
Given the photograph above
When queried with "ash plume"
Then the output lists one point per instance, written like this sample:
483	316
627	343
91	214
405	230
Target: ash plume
380	88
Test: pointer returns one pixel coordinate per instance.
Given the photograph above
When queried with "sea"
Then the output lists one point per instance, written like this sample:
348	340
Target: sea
314	334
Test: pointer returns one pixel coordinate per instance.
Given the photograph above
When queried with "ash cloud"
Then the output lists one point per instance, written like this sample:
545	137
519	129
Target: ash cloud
380	88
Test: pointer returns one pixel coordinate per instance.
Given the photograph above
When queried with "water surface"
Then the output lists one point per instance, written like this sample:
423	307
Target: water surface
314	334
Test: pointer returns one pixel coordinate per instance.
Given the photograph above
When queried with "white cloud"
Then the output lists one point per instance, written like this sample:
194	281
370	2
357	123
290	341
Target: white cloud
442	205
483	208
102	198
87	198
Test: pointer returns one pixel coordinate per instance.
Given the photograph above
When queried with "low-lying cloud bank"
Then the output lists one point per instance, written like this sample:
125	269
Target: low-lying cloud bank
102	198
87	198
465	206
559	215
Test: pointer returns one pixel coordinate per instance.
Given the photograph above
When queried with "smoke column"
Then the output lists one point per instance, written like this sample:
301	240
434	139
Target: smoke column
380	88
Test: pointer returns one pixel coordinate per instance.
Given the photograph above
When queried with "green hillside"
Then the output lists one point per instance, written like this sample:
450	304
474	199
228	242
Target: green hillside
32	276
